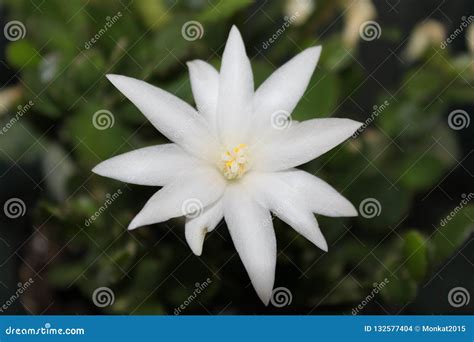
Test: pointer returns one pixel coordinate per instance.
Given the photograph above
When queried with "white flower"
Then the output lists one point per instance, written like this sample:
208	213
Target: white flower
228	157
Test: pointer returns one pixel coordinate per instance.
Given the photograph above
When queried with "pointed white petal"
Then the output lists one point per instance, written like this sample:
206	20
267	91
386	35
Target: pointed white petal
289	205
281	92
205	86
154	165
186	194
321	198
173	117
250	226
302	142
234	104
197	227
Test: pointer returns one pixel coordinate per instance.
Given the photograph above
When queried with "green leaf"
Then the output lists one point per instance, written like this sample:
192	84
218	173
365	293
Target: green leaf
419	172
424	161
20	141
154	13
261	71
87	70
421	84
320	97
22	54
380	205
415	254
62	275
399	287
220	10
169	50
147	273
410	118
453	230
334	55
347	291
96	135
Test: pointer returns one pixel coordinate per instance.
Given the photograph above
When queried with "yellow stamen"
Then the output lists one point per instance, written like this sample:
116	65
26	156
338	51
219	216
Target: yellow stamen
235	161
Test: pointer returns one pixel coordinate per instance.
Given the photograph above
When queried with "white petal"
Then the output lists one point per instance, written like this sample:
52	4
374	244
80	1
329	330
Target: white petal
205	86
154	165
289	205
234	104
281	92
302	142
321	198
184	195
173	117
250	226
197	227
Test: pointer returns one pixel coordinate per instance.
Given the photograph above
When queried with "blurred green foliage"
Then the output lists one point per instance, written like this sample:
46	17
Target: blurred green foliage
404	152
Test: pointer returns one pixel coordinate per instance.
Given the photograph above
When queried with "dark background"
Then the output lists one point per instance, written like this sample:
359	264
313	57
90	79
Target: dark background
17	179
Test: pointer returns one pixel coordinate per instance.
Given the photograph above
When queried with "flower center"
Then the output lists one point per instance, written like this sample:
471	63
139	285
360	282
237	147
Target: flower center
235	161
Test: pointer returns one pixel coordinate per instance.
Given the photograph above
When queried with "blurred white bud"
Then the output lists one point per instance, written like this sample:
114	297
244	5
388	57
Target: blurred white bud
300	9
470	38
58	165
470	46
357	13
9	97
48	67
426	34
